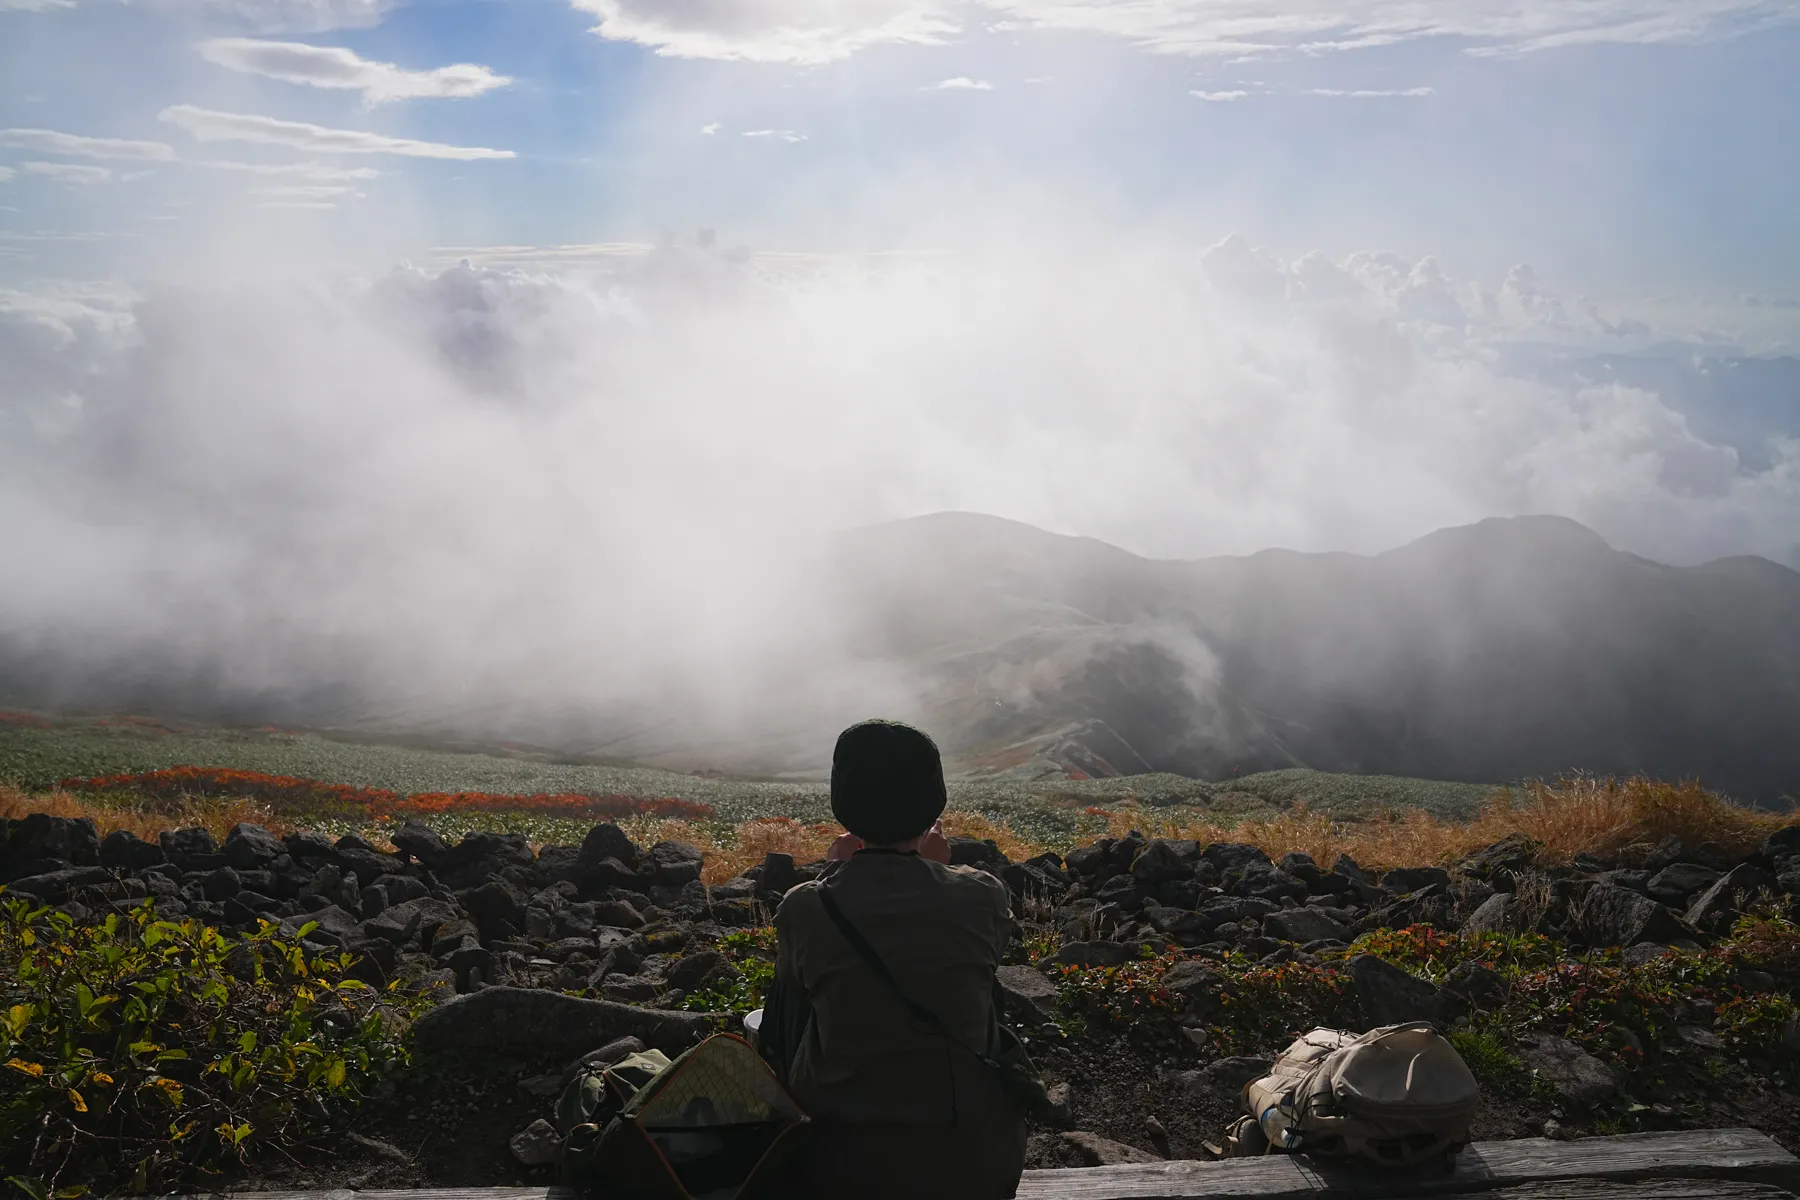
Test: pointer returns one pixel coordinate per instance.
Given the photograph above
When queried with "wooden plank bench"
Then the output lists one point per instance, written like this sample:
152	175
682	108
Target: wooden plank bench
1708	1164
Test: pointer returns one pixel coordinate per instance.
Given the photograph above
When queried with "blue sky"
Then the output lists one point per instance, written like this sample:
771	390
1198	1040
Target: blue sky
1627	148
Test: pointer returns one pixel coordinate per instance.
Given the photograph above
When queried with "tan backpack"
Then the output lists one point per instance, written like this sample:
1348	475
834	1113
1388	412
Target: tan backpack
1398	1095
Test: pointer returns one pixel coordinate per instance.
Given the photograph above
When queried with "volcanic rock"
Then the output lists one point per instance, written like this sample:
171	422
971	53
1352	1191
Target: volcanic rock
527	1021
1028	991
1575	1075
1677	883
1304	925
1613	916
1096	1151
1389	995
1720	902
126	850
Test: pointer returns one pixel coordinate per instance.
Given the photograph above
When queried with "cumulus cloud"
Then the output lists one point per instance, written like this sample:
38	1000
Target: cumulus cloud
75	145
336	67
710	128
79	173
1220	97
961	83
207	125
470	486
773	31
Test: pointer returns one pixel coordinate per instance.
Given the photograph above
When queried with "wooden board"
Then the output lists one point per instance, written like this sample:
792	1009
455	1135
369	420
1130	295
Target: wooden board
1708	1164
1742	1154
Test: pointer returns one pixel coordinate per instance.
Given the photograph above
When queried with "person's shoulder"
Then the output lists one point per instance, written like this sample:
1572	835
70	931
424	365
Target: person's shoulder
802	897
974	880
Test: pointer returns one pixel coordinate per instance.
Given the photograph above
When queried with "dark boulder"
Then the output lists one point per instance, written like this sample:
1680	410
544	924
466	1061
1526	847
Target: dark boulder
222	884
1389	995
1614	916
482	856
129	852
1494	915
1678	883
701	969
1479	984
39	842
1304	925
56	886
1268	882
1718	904
1163	860
514	1022
496	907
1195	982
1783	843
557	864
308	846
1498	862
248	847
607	840
974	852
1234	856
333	926
778	873
1091	860
185	847
419	842
369	866
674	863
1403	880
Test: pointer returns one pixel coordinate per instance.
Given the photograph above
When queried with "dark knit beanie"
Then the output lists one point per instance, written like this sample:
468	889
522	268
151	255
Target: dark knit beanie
887	781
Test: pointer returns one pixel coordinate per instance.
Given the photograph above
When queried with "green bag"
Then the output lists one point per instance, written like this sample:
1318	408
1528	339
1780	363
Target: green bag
714	1122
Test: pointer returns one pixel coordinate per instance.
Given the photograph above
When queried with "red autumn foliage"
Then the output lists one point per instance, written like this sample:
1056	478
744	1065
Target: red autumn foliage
292	794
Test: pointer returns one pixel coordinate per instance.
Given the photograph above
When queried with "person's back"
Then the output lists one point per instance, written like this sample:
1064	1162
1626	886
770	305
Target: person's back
902	1108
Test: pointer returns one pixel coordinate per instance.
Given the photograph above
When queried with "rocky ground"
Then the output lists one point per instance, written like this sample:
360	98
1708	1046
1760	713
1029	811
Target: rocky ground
1153	977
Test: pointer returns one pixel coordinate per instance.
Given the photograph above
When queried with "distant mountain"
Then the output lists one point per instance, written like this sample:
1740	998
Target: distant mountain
1498	651
1506	649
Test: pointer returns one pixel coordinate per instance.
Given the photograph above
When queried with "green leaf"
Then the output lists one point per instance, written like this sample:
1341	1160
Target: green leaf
31	1185
247	1040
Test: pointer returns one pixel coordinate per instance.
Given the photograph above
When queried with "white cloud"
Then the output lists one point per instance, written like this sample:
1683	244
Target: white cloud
336	67
311	171
75	145
710	128
300	205
304	192
785	135
80	173
961	83
1368	93
207	125
264	16
1220	97
6	174
773	31
281	16
1239	27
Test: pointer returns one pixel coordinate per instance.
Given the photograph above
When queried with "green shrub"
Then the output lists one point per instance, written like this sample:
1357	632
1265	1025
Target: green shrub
140	1054
752	952
1495	1068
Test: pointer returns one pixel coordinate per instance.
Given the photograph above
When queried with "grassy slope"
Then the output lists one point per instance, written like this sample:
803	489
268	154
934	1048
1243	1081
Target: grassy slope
36	757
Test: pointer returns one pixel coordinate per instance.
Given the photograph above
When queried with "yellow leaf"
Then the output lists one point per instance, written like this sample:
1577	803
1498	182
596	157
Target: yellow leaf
77	1101
35	1070
334	1075
101	1078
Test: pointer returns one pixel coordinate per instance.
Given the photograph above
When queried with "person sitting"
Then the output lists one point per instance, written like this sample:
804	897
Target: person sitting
903	1106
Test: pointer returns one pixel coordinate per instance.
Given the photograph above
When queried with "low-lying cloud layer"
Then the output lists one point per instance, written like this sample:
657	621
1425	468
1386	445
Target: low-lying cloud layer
466	485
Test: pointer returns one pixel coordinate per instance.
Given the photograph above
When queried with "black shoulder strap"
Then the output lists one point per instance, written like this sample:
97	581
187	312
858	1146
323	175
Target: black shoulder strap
867	953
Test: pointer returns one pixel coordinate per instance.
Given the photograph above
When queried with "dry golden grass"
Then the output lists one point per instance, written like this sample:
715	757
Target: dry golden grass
216	815
1577	815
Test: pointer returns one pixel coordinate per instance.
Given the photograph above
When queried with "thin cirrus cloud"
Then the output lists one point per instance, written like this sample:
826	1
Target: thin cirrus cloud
816	31
1369	93
312	172
338	68
265	16
75	145
78	173
206	125
780	135
961	83
1220	97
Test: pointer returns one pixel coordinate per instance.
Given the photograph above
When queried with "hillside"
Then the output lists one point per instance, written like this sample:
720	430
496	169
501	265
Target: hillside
1506	649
